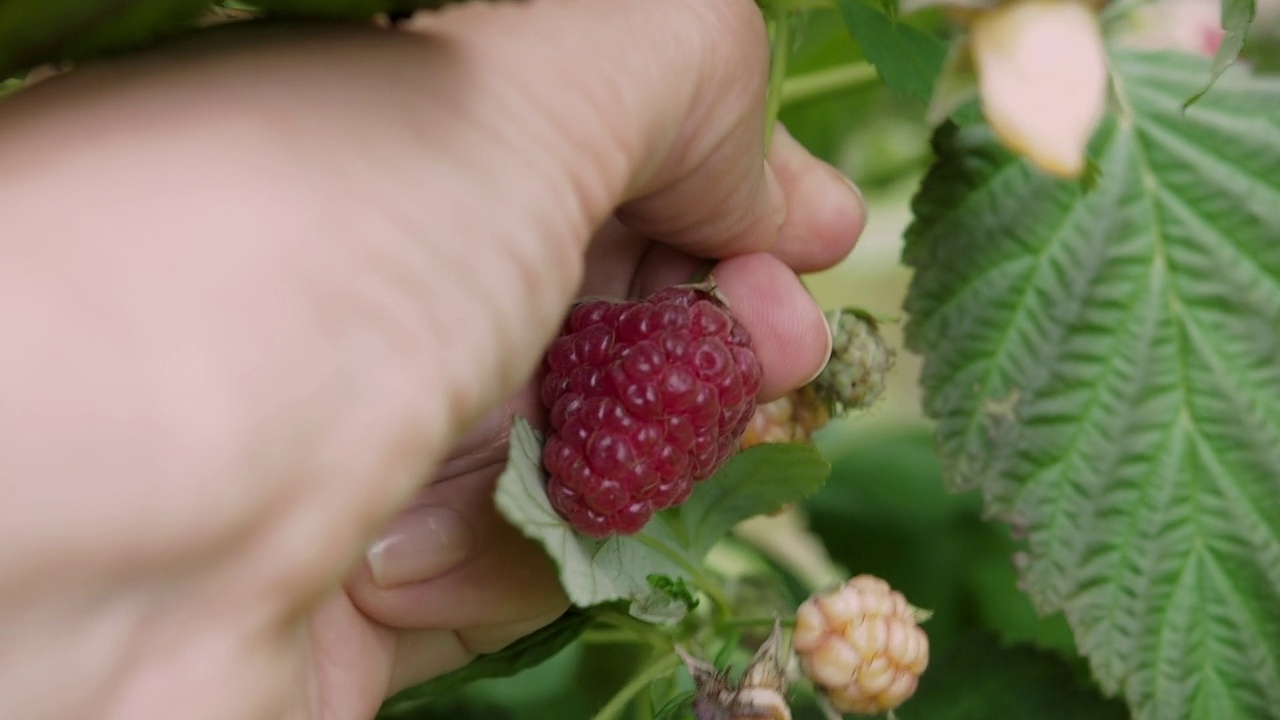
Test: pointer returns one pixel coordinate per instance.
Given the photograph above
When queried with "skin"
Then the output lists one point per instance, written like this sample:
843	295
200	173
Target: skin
270	297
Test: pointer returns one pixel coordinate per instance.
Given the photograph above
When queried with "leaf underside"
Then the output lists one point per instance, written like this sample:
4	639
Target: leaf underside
1103	366
673	544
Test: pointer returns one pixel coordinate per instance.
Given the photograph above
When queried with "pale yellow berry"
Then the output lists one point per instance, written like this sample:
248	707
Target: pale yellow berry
792	418
834	662
811	628
861	645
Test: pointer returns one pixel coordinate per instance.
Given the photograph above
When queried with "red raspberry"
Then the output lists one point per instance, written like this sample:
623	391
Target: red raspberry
646	398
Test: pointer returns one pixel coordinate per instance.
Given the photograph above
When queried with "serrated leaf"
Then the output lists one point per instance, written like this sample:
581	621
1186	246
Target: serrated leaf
672	545
756	481
520	655
982	680
1237	16
1104	367
907	58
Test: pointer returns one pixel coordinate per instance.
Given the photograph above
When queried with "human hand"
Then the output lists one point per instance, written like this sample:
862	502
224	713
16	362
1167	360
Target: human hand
295	281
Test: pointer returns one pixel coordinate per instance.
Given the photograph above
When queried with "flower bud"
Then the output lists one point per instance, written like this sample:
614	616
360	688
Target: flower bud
759	695
1042	78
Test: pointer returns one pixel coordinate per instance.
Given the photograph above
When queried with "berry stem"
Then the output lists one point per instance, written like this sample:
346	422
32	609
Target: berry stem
625	624
664	665
611	637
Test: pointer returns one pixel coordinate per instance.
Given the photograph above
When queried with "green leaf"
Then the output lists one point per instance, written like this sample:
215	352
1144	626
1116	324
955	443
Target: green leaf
981	680
673	544
33	32
524	653
1237	16
908	58
674	588
1104	367
756	481
591	571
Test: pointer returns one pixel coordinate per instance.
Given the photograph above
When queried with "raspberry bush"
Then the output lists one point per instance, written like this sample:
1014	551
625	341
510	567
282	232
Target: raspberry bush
1093	316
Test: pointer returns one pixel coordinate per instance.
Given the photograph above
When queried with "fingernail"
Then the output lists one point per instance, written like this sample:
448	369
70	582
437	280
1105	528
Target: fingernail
826	356
857	191
777	199
421	544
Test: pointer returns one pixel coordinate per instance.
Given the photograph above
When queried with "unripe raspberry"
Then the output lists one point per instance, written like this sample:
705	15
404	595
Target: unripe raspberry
792	418
861	645
854	377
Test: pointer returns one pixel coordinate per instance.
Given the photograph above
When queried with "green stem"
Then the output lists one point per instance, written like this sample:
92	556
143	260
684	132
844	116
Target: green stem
618	703
780	21
625	623
617	636
816	84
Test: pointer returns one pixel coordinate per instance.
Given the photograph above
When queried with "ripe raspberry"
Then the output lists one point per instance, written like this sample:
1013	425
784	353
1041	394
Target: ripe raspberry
861	645
646	399
792	418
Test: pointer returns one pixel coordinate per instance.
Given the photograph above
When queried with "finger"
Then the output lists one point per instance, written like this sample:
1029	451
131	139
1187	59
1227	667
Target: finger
453	562
612	258
671	128
825	211
664	266
788	331
424	654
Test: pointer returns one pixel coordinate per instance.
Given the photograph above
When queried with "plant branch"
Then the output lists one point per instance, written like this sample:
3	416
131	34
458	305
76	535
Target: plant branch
780	23
819	83
638	629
